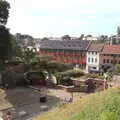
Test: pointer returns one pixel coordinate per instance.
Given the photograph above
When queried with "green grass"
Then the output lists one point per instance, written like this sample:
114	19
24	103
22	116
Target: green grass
99	106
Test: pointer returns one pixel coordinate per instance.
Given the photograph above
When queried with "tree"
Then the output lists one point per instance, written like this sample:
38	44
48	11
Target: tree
44	39
4	11
28	55
118	30
81	37
102	39
5	42
16	47
66	37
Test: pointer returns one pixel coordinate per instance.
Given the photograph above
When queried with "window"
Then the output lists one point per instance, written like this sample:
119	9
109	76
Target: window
88	59
104	61
94	68
107	60
92	60
92	53
96	53
95	59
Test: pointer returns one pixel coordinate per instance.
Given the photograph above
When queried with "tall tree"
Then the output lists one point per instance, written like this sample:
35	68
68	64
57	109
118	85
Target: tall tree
5	42
16	47
4	11
118	30
81	36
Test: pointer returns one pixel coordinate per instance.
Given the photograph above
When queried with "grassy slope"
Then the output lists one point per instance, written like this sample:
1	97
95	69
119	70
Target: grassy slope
99	106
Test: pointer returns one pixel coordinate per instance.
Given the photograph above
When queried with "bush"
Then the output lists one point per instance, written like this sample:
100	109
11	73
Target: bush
94	76
117	68
66	81
64	77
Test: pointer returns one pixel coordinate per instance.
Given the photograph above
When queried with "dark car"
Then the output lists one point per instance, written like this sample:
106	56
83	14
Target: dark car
35	78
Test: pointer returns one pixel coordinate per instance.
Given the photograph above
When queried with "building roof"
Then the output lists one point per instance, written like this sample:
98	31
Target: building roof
96	47
111	49
65	45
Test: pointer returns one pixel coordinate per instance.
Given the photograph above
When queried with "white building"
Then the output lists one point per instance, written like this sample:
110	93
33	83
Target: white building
93	58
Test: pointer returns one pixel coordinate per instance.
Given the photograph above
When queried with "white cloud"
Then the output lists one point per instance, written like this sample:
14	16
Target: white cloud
92	17
43	17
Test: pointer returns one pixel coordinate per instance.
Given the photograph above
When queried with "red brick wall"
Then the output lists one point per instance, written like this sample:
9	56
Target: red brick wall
109	57
67	57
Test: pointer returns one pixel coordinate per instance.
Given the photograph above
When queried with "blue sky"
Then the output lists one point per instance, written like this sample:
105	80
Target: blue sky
55	18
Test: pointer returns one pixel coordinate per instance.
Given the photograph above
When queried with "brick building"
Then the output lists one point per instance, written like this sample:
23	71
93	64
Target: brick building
66	51
110	55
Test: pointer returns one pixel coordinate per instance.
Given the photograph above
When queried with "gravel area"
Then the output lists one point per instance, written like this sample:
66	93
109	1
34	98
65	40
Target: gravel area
25	102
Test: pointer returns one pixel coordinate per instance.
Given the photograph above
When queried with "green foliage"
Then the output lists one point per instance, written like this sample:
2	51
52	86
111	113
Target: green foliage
5	43
105	107
117	68
108	116
64	77
94	76
46	63
57	66
99	106
16	48
66	81
28	55
4	11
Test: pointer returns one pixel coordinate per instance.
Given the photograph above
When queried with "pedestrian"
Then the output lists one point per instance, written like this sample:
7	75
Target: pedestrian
9	116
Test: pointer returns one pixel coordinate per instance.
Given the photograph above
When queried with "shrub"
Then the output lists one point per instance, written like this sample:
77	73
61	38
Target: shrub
64	77
94	76
66	80
117	68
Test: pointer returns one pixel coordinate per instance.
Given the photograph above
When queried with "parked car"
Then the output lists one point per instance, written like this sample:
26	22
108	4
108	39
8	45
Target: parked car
35	78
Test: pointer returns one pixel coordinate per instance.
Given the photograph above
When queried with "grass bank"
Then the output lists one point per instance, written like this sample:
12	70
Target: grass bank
99	106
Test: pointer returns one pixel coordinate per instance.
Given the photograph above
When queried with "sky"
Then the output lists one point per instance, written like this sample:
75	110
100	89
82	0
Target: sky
55	18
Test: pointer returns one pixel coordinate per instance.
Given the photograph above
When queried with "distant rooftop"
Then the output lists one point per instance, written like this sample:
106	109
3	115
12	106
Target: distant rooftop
96	47
111	49
65	45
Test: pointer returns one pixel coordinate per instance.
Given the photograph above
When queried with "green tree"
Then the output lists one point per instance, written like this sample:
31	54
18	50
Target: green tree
16	48
5	42
118	30
28	55
4	11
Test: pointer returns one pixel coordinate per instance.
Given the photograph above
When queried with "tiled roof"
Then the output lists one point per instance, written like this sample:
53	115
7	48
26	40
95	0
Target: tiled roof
111	49
96	47
65	44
